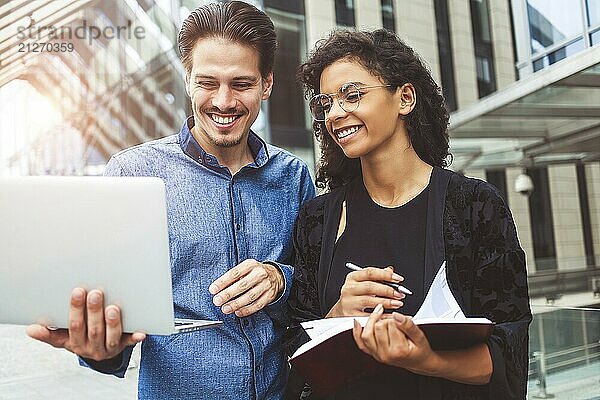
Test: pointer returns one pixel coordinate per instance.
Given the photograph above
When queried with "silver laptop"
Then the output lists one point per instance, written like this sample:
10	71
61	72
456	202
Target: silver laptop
58	233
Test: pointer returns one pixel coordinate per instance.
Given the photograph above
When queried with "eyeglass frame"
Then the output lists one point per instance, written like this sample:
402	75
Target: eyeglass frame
339	99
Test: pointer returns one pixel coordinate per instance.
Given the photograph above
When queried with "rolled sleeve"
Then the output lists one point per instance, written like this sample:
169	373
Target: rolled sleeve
112	366
288	272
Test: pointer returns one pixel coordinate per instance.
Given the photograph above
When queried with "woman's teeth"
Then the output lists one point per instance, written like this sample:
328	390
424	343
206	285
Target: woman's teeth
346	132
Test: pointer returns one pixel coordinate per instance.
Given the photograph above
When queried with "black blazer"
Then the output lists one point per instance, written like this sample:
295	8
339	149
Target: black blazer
470	226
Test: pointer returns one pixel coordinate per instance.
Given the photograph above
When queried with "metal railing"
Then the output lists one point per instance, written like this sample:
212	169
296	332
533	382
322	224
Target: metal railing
564	358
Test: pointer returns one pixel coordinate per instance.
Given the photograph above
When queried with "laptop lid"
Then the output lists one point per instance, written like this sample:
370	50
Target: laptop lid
109	233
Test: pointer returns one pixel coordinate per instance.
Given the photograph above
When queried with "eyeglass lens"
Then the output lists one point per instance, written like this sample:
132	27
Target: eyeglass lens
348	98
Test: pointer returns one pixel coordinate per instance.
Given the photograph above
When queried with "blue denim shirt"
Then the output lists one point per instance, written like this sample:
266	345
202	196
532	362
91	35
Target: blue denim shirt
216	221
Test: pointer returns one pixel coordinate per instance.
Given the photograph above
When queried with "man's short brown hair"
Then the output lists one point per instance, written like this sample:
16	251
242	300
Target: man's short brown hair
236	21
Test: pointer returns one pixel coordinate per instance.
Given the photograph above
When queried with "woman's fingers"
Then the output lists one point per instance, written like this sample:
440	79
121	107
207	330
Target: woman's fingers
375	274
412	331
357	334
368	333
359	287
382	337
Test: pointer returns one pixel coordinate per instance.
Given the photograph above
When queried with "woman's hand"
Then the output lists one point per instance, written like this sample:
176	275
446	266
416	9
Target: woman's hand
398	342
364	289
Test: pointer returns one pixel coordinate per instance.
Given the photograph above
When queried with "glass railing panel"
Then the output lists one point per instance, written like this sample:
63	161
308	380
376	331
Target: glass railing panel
564	351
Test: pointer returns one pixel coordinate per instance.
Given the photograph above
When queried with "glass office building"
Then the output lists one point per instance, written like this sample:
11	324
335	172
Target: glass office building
106	75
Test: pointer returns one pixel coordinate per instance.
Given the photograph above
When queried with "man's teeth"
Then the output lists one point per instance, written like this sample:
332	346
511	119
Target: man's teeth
346	132
223	120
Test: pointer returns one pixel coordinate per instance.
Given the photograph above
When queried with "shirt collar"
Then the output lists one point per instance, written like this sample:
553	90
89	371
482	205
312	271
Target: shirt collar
192	148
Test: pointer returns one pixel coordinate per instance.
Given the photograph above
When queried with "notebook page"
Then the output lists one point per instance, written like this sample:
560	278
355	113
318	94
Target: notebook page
439	302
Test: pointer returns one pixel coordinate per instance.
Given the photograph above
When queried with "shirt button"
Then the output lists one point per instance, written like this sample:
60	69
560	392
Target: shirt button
257	368
238	226
245	322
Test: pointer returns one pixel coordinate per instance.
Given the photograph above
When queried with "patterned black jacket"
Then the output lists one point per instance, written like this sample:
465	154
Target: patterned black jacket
470	226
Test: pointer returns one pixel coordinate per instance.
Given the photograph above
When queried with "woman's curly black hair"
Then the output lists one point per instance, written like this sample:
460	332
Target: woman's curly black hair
386	56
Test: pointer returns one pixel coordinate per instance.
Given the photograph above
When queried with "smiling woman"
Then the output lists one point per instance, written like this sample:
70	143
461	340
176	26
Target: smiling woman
25	117
382	124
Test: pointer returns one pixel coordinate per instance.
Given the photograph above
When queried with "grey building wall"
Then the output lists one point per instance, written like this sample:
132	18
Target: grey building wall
415	23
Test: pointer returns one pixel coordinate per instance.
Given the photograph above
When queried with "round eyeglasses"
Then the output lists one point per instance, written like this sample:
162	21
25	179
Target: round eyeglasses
348	97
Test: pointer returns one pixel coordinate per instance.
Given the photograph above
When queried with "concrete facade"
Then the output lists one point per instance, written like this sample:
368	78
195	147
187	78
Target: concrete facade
368	14
592	173
566	214
519	206
504	61
465	75
320	19
413	24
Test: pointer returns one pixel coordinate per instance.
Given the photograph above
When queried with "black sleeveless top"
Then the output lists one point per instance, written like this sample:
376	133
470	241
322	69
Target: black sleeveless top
380	236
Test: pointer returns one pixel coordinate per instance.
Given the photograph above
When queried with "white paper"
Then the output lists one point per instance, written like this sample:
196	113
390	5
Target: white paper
320	326
439	302
439	306
323	329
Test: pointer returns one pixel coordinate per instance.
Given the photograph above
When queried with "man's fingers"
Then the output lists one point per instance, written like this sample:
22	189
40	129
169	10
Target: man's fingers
57	338
114	329
242	286
256	296
96	325
253	307
131	339
231	276
77	323
246	288
38	332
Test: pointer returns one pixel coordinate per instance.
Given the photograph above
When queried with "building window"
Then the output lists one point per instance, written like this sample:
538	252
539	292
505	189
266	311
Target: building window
344	12
593	12
482	42
445	53
557	55
542	223
287	115
586	220
291	6
553	22
497	177
387	14
556	29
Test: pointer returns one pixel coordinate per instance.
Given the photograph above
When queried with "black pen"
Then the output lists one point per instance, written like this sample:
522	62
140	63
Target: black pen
396	286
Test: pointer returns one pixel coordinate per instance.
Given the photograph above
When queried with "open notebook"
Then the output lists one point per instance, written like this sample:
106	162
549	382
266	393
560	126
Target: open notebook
331	358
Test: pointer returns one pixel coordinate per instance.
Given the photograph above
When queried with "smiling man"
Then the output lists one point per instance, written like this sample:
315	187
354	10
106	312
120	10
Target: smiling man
232	199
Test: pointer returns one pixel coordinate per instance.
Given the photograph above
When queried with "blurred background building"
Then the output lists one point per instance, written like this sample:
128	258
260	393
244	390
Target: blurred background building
80	80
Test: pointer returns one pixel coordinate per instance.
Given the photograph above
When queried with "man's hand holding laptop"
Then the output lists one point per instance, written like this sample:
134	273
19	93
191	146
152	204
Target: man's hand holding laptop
95	332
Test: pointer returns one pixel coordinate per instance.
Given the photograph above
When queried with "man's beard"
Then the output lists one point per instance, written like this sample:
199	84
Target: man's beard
219	140
224	143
